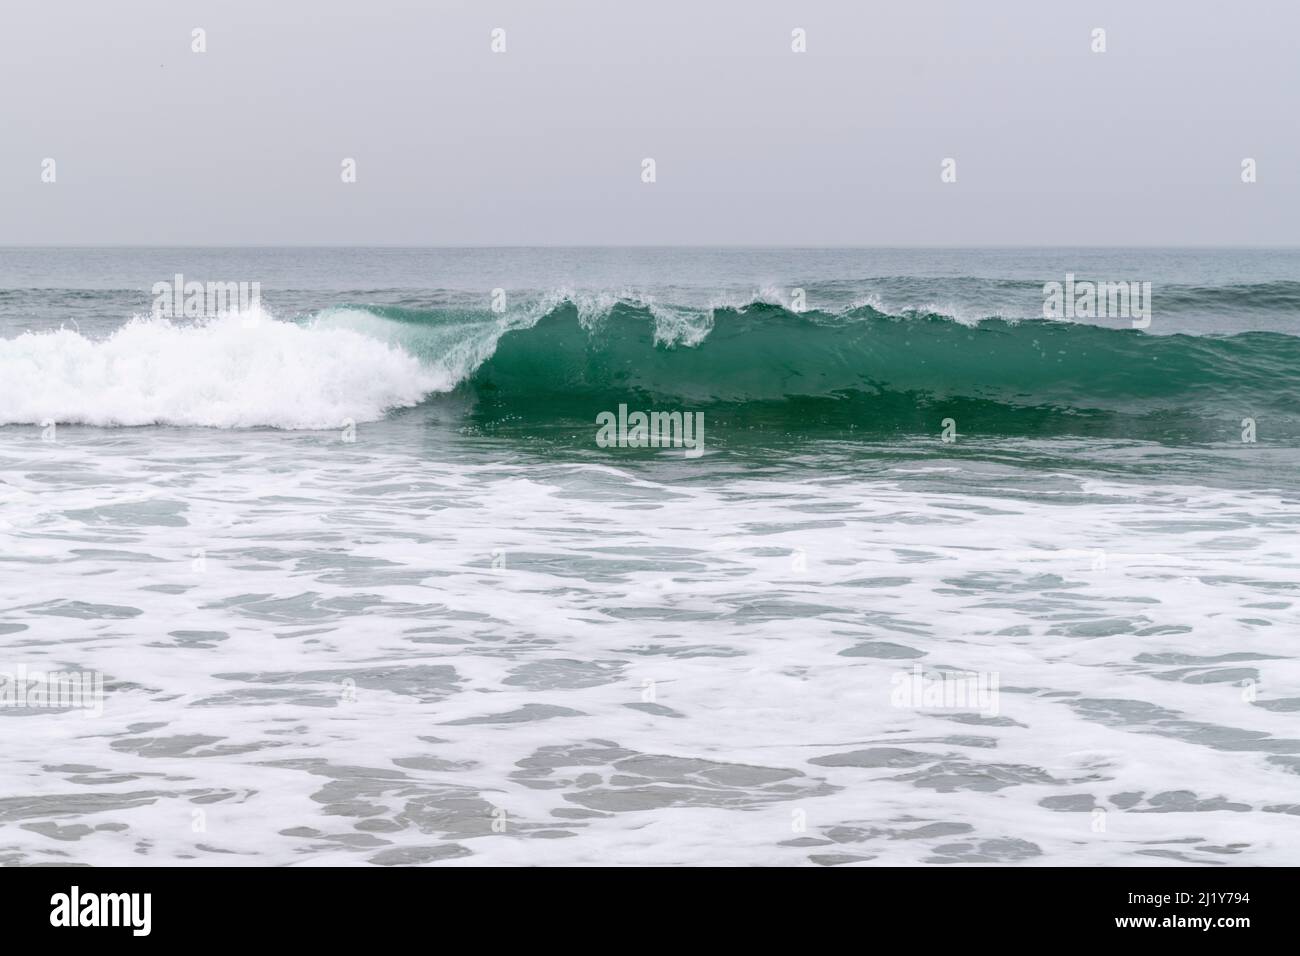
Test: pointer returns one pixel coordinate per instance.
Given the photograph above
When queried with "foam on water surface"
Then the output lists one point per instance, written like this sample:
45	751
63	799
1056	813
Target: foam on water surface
459	631
319	652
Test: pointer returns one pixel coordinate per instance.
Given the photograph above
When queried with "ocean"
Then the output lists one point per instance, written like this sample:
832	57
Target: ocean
412	559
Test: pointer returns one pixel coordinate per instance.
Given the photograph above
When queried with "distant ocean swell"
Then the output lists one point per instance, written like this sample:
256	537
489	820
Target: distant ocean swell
753	364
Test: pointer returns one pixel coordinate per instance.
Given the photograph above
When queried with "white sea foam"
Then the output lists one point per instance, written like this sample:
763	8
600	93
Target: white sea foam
234	371
345	674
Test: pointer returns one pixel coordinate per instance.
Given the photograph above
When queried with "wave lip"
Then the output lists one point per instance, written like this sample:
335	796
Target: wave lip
240	370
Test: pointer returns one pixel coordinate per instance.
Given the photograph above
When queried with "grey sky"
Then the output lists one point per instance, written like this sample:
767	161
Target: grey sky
753	143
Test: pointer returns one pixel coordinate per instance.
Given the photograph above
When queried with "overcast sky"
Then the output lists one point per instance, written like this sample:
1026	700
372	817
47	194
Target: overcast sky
753	143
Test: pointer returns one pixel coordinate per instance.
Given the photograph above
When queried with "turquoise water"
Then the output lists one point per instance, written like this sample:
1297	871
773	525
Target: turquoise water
363	585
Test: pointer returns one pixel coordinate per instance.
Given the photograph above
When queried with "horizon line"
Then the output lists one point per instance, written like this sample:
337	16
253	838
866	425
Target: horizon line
617	245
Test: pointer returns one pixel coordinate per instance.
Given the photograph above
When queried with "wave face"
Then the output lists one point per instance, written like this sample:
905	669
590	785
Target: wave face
754	365
764	352
237	371
762	366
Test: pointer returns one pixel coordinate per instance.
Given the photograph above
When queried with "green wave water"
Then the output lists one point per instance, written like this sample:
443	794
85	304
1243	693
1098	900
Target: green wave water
764	367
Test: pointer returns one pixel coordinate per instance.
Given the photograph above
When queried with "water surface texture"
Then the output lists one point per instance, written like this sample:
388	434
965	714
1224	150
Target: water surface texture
362	587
